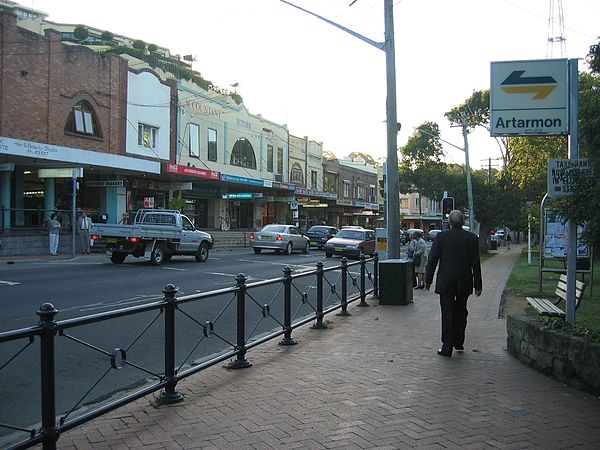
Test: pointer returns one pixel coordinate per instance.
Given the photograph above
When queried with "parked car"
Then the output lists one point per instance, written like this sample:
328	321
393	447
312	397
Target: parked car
319	234
351	242
408	234
432	234
281	238
352	227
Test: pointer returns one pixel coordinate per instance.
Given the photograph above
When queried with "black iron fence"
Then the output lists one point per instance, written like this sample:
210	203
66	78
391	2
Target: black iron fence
195	332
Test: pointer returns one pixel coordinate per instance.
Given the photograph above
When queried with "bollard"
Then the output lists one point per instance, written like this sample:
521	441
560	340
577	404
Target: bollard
363	296
319	325
49	431
287	305
241	362
170	395
375	275
344	312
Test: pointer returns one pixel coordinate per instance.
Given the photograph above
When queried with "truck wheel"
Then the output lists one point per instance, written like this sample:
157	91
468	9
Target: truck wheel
117	258
158	255
202	253
257	251
289	248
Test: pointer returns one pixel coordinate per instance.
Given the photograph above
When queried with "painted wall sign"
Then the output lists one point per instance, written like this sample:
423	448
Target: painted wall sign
66	172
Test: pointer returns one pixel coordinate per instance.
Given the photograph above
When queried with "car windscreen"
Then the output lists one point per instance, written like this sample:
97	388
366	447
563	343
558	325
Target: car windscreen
274	228
319	229
351	234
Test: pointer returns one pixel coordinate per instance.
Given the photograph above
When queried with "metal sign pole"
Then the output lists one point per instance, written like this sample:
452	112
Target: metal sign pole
573	153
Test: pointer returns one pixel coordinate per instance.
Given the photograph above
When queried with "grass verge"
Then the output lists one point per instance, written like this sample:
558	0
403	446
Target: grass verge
523	282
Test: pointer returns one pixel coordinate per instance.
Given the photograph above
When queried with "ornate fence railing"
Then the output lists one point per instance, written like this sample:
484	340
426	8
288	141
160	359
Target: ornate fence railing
194	332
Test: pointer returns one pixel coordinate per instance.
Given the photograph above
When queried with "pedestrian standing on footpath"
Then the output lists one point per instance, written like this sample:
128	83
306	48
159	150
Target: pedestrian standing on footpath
410	254
84	225
420	259
53	234
508	239
459	272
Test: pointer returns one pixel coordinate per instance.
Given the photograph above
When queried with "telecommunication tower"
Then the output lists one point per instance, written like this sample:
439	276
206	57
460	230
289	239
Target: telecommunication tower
556	31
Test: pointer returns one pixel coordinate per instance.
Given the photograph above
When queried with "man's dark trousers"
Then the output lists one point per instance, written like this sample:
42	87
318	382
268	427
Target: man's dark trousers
454	320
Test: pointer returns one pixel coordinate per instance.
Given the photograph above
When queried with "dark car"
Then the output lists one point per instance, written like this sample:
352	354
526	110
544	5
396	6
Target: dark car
319	234
431	235
351	242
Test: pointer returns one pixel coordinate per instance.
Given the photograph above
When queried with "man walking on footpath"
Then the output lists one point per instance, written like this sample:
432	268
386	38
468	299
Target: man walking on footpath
84	232
459	273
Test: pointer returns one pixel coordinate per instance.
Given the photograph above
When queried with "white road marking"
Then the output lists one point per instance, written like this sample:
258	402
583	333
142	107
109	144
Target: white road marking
174	268
9	283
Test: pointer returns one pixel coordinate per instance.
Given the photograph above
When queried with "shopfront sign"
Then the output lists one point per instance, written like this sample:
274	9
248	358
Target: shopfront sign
148	202
37	150
315	193
372	206
242	180
316	205
184	186
343	202
358	204
61	173
105	183
284	186
241	195
195	172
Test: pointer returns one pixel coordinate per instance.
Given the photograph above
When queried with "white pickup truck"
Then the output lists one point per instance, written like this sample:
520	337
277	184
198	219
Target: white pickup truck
156	235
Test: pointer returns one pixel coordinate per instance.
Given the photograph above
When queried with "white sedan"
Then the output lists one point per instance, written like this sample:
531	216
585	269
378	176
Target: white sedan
281	238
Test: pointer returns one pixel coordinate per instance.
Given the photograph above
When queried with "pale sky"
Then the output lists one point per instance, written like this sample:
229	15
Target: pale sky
325	84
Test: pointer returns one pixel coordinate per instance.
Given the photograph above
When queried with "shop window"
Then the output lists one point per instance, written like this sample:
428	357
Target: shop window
330	182
194	140
296	175
212	144
270	158
313	179
147	136
82	120
280	161
243	154
346	188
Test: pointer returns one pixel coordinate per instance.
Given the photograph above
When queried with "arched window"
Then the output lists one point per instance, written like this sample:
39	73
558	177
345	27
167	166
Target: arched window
82	120
296	175
243	154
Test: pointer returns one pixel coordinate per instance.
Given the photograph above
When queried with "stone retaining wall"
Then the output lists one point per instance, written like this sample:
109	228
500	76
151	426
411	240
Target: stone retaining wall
569	359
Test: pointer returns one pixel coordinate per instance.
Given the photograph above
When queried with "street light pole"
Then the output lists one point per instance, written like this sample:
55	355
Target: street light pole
392	218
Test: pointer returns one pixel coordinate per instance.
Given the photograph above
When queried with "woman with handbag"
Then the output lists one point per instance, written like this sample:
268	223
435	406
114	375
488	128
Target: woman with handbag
420	260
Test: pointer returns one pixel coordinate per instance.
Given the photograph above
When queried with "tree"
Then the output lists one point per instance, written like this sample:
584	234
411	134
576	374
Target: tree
152	48
80	33
107	36
584	205
139	44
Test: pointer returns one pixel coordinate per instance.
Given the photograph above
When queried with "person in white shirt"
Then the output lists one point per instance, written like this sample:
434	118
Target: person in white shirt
84	225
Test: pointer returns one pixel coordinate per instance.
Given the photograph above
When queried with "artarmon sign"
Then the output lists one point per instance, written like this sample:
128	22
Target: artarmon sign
529	98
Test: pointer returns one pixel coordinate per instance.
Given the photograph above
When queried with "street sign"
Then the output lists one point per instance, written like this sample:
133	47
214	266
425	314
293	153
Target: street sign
529	98
561	175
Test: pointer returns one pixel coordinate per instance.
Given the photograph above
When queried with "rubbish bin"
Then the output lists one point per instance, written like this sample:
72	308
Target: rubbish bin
395	282
493	244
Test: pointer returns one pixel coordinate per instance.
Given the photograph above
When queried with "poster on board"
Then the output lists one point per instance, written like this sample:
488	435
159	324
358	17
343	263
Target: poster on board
556	237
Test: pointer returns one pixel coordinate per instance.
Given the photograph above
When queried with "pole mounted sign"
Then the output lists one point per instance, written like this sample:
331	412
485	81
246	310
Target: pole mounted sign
529	98
562	174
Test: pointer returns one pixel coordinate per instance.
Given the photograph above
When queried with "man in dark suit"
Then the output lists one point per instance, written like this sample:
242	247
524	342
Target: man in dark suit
459	273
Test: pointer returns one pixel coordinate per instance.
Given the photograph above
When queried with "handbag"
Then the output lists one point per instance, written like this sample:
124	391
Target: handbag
417	260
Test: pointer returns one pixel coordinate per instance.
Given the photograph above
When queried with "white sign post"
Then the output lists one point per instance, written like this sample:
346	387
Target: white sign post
529	98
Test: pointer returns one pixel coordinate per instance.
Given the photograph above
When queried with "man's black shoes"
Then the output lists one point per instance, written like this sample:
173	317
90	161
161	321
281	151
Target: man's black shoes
459	348
441	352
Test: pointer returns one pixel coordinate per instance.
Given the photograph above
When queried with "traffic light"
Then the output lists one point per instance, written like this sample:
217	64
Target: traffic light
382	186
447	206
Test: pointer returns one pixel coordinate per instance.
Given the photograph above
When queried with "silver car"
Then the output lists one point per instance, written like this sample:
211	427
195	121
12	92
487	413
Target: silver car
281	238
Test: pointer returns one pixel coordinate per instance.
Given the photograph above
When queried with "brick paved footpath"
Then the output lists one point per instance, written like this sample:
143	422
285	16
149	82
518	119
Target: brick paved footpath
372	380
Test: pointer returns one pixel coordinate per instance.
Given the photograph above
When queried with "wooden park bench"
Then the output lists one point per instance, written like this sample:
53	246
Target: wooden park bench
548	307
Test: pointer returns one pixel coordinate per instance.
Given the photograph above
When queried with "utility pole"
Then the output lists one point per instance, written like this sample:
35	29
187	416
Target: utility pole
469	182
392	218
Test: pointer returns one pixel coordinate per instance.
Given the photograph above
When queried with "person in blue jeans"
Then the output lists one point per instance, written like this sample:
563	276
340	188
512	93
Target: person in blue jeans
53	234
